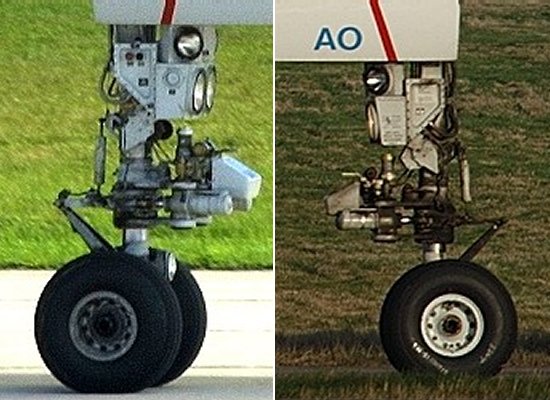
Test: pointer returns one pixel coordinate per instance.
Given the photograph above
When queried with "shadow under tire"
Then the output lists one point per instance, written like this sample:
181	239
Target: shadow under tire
107	322
194	315
448	316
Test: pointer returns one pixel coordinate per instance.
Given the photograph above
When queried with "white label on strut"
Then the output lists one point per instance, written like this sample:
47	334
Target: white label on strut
392	118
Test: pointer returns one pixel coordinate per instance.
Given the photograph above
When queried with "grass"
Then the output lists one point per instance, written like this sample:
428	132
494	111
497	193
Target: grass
51	55
357	385
331	285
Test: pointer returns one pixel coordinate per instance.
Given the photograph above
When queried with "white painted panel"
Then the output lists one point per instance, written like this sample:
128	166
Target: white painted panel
187	12
421	30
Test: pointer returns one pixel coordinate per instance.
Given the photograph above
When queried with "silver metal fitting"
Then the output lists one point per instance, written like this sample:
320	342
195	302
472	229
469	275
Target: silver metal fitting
348	220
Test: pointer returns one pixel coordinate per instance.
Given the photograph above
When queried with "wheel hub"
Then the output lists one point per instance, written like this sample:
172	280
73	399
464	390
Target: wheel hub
452	325
103	326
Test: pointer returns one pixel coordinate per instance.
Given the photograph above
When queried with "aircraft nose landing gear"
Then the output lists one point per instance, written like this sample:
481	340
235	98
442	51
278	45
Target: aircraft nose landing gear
445	315
122	319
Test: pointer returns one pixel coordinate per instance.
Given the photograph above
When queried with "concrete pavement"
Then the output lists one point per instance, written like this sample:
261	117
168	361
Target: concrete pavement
45	387
237	355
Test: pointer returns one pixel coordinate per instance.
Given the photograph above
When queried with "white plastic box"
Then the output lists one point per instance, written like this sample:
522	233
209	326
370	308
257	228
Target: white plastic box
241	182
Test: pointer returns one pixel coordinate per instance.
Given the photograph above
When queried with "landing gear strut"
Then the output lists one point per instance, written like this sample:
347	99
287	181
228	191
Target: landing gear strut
445	316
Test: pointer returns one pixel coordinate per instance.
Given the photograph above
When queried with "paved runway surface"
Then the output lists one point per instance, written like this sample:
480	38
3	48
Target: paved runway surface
235	362
189	388
35	387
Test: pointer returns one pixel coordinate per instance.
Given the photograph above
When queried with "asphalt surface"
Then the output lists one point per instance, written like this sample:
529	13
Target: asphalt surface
43	386
236	361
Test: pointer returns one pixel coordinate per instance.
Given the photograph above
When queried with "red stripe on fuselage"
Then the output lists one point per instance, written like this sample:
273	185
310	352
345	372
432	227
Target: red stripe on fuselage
168	13
383	31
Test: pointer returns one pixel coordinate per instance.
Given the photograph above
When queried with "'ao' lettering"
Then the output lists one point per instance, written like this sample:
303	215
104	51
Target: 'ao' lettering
348	38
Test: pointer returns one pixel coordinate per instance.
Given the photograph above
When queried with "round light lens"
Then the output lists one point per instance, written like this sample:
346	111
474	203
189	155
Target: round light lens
199	92
189	43
211	88
377	80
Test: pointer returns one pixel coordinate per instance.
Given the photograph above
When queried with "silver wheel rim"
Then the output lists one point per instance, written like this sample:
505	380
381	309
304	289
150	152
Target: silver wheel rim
452	325
103	326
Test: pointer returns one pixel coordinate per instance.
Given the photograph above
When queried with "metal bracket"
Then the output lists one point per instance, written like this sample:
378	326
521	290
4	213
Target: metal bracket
480	243
91	237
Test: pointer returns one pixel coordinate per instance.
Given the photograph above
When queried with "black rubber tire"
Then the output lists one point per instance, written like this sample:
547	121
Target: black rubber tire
158	326
193	314
401	316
